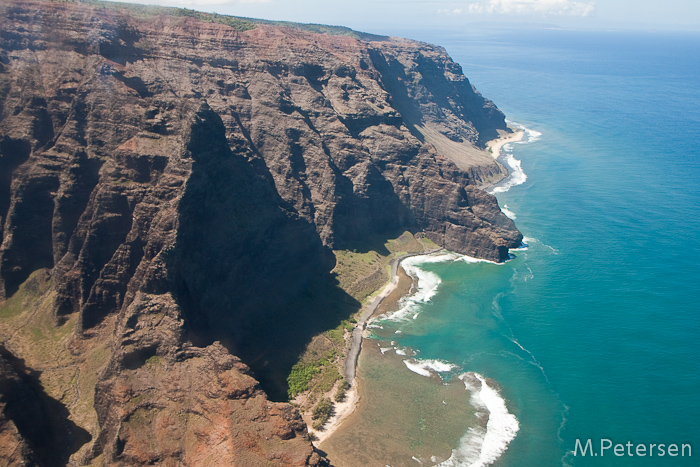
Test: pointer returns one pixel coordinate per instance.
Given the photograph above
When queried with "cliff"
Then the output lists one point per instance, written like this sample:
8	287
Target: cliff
171	191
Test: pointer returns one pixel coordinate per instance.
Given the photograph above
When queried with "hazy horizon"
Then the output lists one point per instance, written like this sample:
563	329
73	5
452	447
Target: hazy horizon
394	16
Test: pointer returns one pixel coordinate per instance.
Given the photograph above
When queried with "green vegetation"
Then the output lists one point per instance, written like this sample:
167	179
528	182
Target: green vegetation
154	360
323	29
429	244
299	378
317	374
237	23
321	413
361	271
327	377
29	327
28	295
343	387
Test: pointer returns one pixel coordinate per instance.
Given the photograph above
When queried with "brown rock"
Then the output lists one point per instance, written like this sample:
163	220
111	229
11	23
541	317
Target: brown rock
184	183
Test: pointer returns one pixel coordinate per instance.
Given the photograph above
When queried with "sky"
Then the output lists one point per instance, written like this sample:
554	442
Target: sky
388	16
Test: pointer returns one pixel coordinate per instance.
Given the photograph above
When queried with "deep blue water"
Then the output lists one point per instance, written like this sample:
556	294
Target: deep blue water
593	331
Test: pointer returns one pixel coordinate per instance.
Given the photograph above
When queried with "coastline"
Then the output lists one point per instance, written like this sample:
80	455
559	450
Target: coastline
494	146
371	308
398	286
393	291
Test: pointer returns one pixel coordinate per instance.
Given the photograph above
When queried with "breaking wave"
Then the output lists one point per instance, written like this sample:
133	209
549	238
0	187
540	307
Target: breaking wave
426	284
516	175
428	367
481	447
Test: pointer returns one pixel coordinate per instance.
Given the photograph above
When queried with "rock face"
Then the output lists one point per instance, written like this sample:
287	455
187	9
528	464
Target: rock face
34	428
184	183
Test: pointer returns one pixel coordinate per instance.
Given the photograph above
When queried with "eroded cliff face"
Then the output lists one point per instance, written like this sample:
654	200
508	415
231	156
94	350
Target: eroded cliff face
170	192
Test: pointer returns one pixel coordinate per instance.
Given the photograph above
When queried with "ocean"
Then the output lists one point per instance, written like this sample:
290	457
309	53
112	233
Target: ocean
590	332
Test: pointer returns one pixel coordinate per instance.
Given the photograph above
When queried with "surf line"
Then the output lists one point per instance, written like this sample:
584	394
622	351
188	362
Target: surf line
357	333
502	151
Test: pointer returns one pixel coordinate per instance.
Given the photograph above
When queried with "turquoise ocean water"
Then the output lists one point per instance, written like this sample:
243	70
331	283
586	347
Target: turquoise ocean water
593	331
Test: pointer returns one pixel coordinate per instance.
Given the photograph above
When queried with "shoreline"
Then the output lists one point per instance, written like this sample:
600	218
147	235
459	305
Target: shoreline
342	410
358	331
353	398
495	145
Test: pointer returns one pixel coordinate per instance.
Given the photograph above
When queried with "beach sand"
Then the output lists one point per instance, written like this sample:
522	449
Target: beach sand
386	301
494	146
401	288
390	296
341	411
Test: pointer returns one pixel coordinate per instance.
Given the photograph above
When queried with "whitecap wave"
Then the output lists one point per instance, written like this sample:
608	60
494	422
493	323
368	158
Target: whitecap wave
516	174
444	257
508	212
531	136
428	367
479	447
415	261
469	259
533	241
523	246
426	285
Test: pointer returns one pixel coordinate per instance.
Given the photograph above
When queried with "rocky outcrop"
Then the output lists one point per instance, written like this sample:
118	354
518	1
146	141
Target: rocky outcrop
184	183
194	407
34	427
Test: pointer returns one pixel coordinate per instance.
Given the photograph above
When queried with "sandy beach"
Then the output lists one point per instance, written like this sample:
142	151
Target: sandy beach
341	411
386	300
494	146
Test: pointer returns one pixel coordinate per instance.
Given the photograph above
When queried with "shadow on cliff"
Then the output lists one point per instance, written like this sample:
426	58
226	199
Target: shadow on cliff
42	421
247	270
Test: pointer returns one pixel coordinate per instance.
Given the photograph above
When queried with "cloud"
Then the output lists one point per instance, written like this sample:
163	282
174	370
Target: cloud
541	7
450	11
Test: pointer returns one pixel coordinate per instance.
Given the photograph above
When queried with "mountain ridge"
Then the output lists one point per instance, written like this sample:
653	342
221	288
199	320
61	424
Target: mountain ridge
172	194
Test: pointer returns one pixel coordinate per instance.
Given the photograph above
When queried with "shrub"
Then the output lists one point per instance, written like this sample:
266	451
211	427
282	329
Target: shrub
342	389
318	424
322	411
298	379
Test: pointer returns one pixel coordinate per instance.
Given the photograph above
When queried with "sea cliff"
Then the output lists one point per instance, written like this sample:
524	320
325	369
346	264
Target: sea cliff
171	193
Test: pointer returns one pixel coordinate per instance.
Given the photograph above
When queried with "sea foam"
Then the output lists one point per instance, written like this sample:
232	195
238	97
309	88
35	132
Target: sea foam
517	176
426	283
508	212
424	367
425	288
481	447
